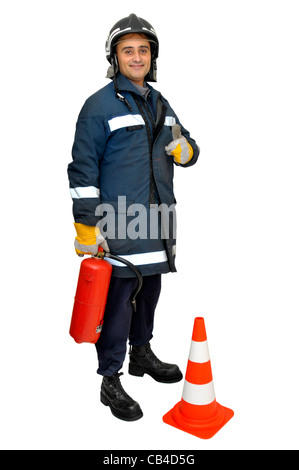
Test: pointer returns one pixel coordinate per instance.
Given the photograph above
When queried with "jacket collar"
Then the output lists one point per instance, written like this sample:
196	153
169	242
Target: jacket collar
124	84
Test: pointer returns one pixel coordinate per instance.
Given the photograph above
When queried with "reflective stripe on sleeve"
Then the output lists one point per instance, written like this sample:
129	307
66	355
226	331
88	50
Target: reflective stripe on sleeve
88	191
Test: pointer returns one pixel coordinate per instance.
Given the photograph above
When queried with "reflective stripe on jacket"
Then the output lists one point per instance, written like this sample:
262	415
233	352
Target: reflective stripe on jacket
121	176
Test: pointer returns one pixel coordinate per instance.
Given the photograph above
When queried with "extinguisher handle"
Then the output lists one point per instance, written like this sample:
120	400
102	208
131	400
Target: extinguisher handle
104	254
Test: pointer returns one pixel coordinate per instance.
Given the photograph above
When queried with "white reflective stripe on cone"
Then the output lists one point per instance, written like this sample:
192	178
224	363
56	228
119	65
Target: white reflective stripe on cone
87	191
199	352
199	394
141	259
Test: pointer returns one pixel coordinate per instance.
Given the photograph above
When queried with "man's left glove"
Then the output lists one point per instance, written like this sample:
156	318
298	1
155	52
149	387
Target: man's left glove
88	240
179	148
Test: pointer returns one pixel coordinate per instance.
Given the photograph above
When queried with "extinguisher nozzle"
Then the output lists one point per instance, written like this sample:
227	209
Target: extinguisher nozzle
133	301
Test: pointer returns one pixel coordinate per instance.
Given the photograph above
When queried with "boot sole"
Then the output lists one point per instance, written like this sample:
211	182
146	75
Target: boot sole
115	413
139	372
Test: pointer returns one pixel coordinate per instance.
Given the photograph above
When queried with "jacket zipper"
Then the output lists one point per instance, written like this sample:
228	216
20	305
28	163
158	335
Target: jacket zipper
153	130
150	129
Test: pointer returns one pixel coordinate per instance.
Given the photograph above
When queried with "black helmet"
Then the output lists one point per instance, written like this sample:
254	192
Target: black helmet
132	24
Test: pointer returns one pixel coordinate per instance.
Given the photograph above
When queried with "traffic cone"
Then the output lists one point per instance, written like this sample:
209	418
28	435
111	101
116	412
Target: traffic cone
198	413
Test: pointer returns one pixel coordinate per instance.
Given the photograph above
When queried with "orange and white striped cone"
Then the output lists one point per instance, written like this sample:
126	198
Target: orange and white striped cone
198	413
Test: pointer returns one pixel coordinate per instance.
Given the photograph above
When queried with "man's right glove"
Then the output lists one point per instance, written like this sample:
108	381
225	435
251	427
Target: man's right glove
88	240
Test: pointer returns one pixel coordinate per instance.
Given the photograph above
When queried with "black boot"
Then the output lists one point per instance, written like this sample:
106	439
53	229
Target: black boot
121	404
143	361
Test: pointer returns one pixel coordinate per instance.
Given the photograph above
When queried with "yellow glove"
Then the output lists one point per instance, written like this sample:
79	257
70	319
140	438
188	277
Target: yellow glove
88	240
179	148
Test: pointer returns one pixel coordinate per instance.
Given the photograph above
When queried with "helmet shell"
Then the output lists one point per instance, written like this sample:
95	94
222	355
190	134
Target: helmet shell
132	24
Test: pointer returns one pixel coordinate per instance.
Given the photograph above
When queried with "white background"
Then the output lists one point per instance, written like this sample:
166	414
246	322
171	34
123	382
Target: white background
230	70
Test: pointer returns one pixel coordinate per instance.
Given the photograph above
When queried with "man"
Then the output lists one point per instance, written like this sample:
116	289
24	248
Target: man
121	181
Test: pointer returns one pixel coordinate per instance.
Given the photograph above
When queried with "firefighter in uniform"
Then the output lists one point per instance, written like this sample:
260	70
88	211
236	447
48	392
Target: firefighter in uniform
124	154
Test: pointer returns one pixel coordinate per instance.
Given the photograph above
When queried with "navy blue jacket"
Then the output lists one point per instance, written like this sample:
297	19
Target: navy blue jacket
121	177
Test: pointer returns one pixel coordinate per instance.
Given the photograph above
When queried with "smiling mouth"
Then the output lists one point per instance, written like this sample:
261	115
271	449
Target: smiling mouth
136	66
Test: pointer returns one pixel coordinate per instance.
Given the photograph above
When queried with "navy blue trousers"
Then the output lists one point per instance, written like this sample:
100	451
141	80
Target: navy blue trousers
121	323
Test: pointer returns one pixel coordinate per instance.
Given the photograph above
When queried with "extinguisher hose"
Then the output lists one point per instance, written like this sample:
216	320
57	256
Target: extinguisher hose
131	266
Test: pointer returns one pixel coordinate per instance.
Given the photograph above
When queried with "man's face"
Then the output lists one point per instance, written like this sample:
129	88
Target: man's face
134	57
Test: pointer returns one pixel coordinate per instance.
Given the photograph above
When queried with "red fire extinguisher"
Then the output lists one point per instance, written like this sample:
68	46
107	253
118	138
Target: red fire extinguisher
91	296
